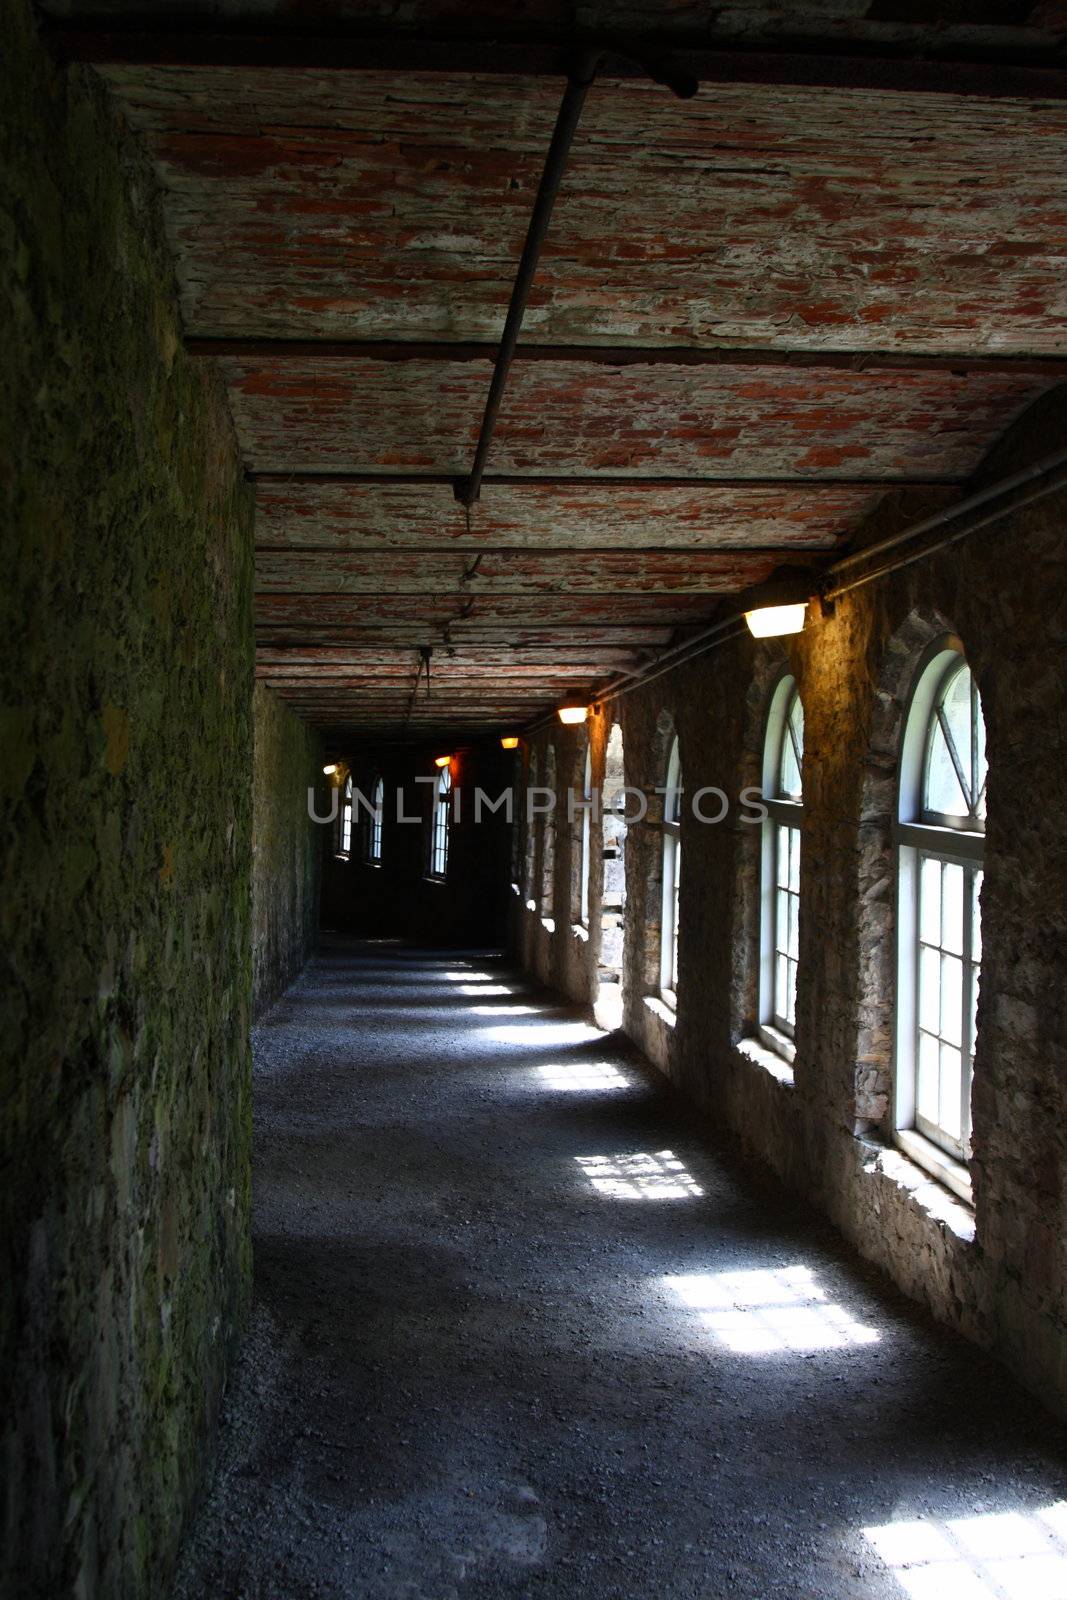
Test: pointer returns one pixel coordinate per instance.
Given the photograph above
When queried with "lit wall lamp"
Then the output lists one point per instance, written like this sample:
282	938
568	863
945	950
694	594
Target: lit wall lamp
330	769
509	742
778	606
572	711
442	761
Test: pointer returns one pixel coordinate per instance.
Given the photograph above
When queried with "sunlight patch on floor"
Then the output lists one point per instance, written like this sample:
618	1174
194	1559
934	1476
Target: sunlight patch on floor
642	1176
767	1310
998	1555
584	1075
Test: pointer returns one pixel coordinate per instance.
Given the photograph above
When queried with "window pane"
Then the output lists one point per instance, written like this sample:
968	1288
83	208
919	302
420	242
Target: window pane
927	1092
791	993
781	921
793	945
794	860
976	916
952	906
951	1066
789	779
929	990
781	858
930	901
943	792
952	999
781	986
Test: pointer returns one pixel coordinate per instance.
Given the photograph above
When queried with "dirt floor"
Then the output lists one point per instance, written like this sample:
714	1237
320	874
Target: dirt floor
521	1328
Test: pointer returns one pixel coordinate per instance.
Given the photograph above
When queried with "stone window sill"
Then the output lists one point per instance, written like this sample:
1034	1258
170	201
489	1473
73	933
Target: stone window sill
580	931
516	890
549	924
933	1197
953	1174
531	905
769	1061
659	1008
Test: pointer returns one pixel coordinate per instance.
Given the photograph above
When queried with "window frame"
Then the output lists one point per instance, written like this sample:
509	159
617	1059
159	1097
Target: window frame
672	878
344	821
921	835
585	839
783	812
441	826
374	824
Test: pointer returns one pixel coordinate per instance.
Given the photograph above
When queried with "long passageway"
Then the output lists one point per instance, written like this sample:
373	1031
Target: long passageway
521	1329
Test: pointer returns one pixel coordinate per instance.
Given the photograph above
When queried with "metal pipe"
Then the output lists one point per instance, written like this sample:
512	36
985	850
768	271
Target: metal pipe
579	80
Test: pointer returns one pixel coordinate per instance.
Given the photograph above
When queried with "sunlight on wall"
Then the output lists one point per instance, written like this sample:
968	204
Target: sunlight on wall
769	1310
1000	1555
640	1177
583	1075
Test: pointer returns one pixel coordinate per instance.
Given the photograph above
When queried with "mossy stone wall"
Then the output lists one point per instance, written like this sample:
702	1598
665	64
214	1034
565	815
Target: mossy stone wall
125	816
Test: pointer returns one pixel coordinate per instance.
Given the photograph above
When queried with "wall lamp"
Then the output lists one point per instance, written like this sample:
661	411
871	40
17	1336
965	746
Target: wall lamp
778	606
442	761
330	769
572	711
510	741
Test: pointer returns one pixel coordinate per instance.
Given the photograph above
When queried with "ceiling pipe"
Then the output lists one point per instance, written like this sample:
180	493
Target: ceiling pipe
579	82
1038	481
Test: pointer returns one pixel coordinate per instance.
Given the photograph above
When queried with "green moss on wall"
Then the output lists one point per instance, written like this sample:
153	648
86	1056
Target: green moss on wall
286	845
125	808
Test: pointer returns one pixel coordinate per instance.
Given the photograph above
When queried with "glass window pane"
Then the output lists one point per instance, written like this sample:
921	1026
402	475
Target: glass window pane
791	993
952	891
789	778
781	857
952	999
781	920
930	901
794	860
927	1090
976	918
942	789
951	1066
929	990
781	984
793	945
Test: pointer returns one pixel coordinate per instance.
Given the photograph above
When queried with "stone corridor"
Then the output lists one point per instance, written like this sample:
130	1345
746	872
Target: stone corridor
521	1327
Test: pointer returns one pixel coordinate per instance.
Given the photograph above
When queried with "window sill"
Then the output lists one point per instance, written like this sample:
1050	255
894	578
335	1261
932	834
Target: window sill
516	890
659	1008
435	877
580	931
531	905
768	1061
938	1163
341	855
779	1043
549	924
916	1184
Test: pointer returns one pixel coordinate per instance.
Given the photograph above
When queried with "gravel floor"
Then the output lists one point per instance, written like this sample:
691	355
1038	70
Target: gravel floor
521	1329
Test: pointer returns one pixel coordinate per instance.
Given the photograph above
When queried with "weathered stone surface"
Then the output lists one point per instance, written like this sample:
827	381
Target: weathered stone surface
286	851
125	759
1001	1277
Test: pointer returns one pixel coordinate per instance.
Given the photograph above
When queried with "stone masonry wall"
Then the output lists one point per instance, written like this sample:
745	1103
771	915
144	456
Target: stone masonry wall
999	1272
125	810
286	845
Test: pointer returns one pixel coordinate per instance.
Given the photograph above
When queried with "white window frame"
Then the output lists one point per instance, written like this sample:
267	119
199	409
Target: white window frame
922	835
672	879
441	826
374	825
344	822
585	839
783	811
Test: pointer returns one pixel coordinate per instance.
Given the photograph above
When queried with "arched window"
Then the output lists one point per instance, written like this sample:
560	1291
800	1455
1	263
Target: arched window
941	839
548	840
440	833
345	837
586	836
783	795
672	878
374	825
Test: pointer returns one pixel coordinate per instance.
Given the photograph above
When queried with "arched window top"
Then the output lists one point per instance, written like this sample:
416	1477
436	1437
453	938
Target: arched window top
783	756
444	781
379	794
348	788
672	810
954	769
943	771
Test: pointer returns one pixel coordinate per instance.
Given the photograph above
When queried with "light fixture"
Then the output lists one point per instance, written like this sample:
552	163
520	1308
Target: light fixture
442	761
330	769
771	622
509	742
572	711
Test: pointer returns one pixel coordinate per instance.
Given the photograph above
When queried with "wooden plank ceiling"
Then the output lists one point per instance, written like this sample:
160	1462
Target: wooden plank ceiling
758	312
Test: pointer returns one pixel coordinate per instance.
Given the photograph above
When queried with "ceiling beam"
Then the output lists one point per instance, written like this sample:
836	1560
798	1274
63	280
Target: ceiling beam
540	52
603	480
429	350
